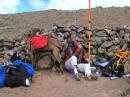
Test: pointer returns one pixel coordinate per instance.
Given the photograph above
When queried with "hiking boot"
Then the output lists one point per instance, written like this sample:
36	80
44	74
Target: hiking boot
91	77
77	77
87	77
94	77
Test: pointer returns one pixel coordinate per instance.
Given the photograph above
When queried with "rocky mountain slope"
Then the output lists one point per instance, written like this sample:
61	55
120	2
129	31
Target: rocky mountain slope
17	24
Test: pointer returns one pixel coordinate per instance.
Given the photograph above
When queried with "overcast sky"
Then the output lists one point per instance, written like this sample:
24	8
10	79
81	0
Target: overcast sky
18	6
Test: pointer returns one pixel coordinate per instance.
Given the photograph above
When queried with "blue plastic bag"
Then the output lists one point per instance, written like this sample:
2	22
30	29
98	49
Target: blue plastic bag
2	76
17	63
30	70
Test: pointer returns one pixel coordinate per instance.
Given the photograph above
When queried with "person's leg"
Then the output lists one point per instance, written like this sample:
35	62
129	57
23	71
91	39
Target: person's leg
85	68
71	64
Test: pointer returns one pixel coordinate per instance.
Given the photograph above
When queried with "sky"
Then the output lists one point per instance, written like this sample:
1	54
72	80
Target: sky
19	6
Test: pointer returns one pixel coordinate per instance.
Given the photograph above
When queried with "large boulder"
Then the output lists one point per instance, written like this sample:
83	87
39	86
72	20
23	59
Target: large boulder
107	44
104	38
113	48
96	41
101	33
116	41
101	50
44	63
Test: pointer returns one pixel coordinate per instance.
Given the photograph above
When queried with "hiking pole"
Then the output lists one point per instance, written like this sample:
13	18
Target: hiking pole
89	30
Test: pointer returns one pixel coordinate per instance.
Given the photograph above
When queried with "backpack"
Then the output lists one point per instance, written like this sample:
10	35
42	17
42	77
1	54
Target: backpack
39	41
28	68
15	76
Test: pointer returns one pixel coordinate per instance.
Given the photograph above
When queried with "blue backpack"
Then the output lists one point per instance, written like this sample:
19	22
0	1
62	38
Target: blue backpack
2	76
30	70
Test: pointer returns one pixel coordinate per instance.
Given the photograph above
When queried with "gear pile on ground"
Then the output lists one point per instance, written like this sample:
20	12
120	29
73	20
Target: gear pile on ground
15	63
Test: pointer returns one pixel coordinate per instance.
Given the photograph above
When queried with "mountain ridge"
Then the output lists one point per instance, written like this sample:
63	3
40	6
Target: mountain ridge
17	24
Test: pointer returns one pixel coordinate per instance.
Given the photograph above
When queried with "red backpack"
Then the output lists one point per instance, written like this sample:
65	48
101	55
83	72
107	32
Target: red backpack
39	41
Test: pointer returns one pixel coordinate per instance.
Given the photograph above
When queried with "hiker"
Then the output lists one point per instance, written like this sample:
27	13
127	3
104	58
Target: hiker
77	59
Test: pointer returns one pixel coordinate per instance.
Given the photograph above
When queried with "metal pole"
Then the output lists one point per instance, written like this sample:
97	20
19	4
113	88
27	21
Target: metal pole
89	28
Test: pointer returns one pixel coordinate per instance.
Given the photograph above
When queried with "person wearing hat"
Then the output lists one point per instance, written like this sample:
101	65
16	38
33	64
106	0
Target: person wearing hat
74	59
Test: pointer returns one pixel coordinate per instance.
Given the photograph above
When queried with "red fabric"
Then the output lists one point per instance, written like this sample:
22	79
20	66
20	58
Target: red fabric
85	58
78	50
66	58
39	41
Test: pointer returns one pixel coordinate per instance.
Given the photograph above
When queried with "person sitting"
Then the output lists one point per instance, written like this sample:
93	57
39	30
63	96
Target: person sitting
77	59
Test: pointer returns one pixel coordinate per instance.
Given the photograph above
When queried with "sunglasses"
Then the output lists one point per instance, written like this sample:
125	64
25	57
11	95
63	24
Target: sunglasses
78	41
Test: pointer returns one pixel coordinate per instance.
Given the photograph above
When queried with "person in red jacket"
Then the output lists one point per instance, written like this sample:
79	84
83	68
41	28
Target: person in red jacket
76	59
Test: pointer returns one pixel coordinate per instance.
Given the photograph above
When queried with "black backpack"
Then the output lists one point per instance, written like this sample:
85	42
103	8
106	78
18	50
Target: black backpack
15	76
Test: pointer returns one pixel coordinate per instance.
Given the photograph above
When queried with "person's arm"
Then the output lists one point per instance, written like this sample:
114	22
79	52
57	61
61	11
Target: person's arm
93	59
80	56
70	51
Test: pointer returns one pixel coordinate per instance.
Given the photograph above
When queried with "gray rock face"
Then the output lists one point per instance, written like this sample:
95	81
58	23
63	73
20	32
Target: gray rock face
101	50
103	41
107	44
96	41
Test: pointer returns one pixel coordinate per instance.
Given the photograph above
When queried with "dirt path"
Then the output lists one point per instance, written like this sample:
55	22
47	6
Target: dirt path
50	84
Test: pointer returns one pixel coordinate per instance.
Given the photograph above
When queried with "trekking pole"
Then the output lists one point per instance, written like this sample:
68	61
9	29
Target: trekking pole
89	30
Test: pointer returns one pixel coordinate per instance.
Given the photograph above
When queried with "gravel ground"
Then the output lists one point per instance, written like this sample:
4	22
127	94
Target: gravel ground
51	84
